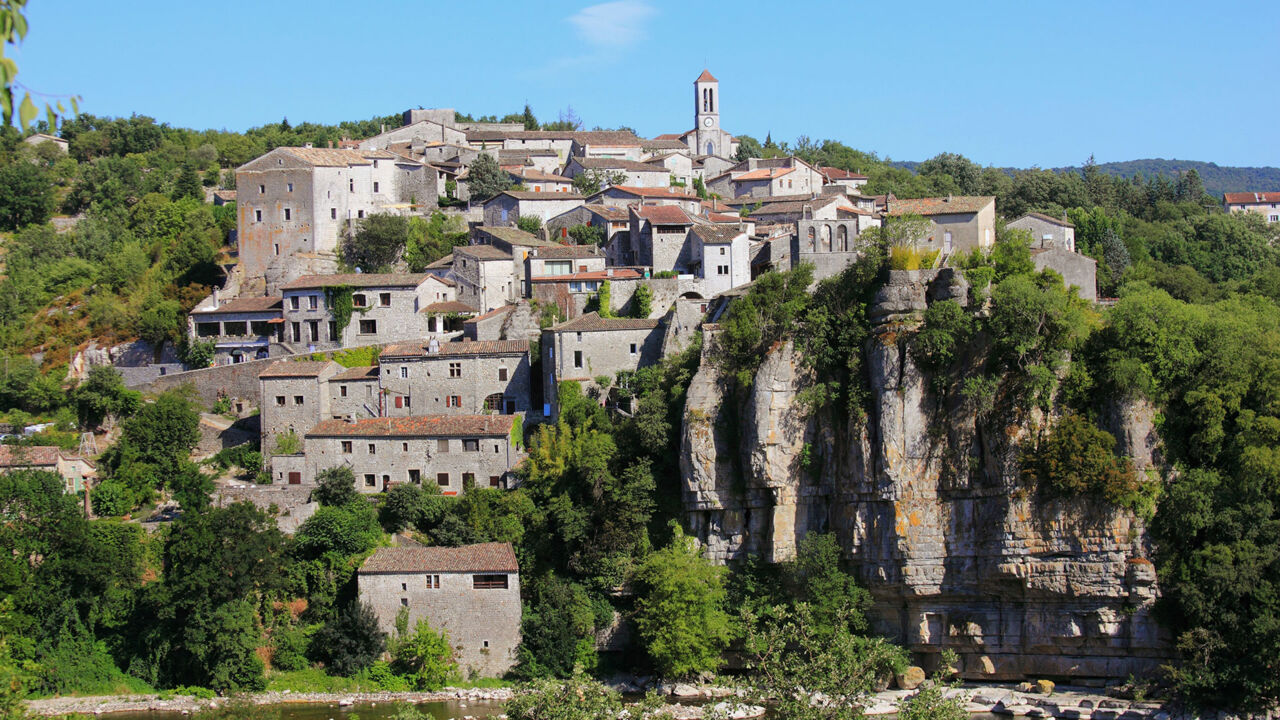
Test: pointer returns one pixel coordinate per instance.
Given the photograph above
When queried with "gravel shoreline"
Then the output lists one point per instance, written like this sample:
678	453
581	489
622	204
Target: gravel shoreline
1064	702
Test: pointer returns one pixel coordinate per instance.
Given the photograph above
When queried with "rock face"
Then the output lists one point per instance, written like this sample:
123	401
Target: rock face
928	503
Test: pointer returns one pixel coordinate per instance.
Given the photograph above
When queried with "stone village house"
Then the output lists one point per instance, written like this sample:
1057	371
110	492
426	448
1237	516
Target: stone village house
471	592
386	308
590	346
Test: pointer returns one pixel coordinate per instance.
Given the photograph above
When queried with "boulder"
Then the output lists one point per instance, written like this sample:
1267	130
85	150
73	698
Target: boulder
1044	687
910	678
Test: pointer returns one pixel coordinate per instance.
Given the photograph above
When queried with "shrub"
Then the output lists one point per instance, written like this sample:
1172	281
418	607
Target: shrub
350	641
335	486
112	498
425	658
1076	458
288	443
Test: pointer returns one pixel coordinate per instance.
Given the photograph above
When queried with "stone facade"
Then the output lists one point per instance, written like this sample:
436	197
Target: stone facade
1078	271
387	308
486	277
294	203
1266	204
591	346
241	329
829	245
768	177
456	378
293	396
634	174
621	196
508	207
612	220
452	452
659	239
960	223
721	257
470	592
1047	232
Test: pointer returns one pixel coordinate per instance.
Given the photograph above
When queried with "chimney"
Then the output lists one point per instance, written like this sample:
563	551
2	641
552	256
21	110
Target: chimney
217	301
948	198
433	347
350	418
306	145
609	272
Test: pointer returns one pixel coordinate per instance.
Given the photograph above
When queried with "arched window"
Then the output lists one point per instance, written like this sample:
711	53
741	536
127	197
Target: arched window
704	99
842	239
493	403
711	100
711	148
826	238
812	236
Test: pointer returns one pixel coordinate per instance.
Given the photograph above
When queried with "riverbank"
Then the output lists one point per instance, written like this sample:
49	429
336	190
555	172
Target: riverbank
1063	702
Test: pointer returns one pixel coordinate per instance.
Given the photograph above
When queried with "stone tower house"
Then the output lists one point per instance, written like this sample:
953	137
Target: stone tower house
707	115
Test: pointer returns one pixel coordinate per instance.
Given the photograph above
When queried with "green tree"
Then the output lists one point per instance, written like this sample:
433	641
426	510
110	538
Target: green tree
748	147
350	642
379	241
26	196
404	506
816	577
426	658
487	179
680	614
529	223
1076	457
103	395
950	170
947	329
345	530
587	235
557	637
188	185
336	487
590	182
642	302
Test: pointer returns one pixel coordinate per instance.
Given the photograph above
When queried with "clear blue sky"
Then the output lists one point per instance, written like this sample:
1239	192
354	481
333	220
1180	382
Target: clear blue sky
1019	82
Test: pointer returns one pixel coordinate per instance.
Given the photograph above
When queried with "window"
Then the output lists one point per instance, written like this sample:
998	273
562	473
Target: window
314	327
1274	218
384	299
333	330
432	582
386	481
373	449
360	213
453	401
468	480
313	302
333	213
293	302
297	332
280	400
404	372
471	445
297	399
502	374
357	300
577	358
579	337
404	586
288	214
442	478
342	391
495	481
558	267
351	185
399	401
368	327
290	187
375	187
722	269
415	476
721	251
370	480
404	602
633	348
493	403
489	582
262	189
277	248
455	369
346	447
404	447
257	216
442	445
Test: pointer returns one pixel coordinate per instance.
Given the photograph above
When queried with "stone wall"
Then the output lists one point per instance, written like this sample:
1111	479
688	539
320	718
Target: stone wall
483	624
929	505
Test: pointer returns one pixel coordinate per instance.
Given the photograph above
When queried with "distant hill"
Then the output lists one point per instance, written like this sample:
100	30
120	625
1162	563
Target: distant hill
1217	179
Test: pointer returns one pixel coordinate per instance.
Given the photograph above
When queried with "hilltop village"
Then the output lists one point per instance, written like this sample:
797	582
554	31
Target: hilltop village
436	398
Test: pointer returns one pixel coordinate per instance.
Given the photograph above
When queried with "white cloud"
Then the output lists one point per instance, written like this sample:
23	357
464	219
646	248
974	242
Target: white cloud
613	24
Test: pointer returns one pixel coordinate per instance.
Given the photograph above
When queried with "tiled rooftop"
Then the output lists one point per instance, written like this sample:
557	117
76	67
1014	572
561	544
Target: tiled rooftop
295	368
417	426
592	322
482	558
364	280
463	347
955	204
245	305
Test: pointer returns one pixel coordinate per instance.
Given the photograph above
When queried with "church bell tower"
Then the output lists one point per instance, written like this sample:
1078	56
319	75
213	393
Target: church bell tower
707	114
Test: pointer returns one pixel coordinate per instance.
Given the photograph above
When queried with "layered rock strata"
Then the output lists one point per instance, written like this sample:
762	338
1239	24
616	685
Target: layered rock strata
926	497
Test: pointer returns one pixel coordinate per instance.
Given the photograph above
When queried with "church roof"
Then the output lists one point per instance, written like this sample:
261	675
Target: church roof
706	76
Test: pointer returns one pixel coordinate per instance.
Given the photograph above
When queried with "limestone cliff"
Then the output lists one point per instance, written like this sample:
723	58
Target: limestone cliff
928	504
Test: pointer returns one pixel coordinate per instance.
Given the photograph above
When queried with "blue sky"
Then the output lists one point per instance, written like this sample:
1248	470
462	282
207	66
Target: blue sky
1021	83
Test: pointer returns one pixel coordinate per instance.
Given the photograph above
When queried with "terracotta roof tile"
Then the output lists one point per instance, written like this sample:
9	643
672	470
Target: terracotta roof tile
616	164
592	322
32	455
369	372
482	558
567	251
1250	198
296	368
664	215
1061	222
616	138
717	234
463	347
833	173
449	306
649	192
528	173
528	195
482	252
954	205
417	426
492	313
706	76
245	305
764	174
365	280
611	274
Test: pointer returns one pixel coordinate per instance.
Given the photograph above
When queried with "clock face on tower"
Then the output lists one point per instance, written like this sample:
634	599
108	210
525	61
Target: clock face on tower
707	121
